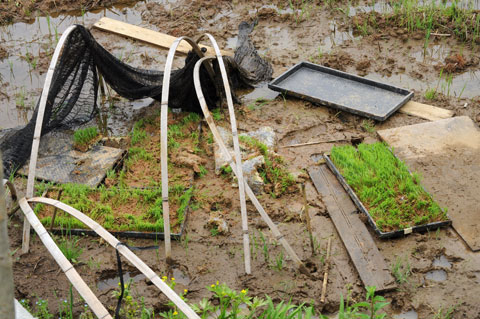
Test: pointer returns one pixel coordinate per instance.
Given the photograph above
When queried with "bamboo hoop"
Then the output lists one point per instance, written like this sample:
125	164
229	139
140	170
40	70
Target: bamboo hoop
11	187
208	117
236	148
38	131
164	138
127	253
72	275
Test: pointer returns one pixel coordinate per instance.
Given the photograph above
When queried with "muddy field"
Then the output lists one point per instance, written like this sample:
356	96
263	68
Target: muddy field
444	273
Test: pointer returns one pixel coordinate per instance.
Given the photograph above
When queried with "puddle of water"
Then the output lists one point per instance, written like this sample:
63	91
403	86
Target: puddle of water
261	92
380	7
436	52
436	275
113	282
412	314
442	262
181	277
21	40
336	37
286	10
232	43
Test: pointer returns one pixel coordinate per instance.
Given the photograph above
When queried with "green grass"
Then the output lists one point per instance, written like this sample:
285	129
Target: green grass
85	136
401	270
394	197
274	173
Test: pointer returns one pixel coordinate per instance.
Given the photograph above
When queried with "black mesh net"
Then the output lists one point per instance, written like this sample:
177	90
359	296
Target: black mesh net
72	98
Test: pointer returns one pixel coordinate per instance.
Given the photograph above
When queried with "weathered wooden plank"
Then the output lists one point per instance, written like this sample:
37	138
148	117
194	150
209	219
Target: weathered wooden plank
149	36
425	111
361	248
446	153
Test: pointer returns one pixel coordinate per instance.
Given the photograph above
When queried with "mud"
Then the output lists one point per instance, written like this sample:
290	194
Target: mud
285	36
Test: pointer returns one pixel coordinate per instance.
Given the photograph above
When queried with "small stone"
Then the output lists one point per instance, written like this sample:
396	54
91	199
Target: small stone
265	135
218	222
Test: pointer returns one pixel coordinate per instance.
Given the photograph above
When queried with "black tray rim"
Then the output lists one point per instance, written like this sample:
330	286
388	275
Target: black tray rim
361	207
274	85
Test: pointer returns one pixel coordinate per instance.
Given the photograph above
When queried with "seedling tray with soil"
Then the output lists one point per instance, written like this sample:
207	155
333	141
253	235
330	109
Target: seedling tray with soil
129	203
382	187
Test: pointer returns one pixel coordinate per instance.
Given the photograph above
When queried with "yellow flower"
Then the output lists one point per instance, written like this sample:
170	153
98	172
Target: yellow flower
173	279
164	278
175	313
217	282
185	291
213	286
243	291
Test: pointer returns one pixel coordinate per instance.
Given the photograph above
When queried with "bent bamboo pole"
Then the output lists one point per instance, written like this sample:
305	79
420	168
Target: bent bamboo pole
127	253
72	275
164	137
238	156
11	187
251	195
38	131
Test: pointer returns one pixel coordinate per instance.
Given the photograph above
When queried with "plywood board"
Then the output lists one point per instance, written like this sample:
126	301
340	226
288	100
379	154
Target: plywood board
149	36
361	248
59	163
425	111
447	155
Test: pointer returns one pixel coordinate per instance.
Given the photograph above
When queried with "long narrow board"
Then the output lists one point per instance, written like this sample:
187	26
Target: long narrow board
149	36
425	111
446	153
365	255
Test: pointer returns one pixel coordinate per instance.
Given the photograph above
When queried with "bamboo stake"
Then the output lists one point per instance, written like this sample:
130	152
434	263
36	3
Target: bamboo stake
238	156
72	275
208	117
325	275
307	218
127	253
164	138
38	132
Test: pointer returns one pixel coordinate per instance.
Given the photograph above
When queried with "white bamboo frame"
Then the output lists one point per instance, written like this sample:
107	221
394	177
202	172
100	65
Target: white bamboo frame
164	138
278	236
38	132
236	148
127	253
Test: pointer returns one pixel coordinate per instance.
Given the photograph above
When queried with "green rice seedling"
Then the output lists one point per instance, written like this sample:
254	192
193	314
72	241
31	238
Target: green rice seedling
430	94
443	313
279	261
138	134
401	270
217	114
84	136
203	171
69	247
392	195
368	126
266	253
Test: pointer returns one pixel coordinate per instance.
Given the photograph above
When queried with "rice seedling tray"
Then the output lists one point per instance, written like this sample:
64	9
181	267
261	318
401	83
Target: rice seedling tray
341	90
371	221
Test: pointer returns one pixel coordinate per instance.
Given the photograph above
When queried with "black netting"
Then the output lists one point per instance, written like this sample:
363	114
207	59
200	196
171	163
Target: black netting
72	99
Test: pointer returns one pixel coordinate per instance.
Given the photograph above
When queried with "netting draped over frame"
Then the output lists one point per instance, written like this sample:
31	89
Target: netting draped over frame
72	98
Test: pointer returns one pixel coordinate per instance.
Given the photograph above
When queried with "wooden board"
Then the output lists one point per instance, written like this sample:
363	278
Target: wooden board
365	255
425	111
149	36
447	155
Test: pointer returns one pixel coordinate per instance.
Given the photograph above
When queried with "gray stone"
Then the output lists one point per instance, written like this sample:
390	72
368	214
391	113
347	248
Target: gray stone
265	135
251	175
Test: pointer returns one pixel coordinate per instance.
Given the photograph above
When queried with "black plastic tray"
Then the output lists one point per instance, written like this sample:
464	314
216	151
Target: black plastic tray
341	90
358	203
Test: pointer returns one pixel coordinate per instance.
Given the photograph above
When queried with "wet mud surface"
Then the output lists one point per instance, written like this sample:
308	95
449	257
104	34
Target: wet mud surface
444	272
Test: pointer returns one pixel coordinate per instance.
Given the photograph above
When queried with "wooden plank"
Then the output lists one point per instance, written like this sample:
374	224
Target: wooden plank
361	248
149	36
446	153
425	111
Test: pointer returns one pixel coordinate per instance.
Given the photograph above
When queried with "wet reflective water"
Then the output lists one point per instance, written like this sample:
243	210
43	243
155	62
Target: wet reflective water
412	314
442	262
436	275
113	283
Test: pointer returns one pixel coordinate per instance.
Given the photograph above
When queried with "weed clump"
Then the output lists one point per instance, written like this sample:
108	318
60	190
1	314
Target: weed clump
82	138
394	197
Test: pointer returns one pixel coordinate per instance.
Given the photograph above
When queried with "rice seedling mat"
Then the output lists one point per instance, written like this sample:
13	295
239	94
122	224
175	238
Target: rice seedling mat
447	154
129	202
385	191
363	251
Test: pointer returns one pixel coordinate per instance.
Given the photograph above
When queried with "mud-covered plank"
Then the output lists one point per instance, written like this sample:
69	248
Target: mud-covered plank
149	36
425	111
361	248
447	156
